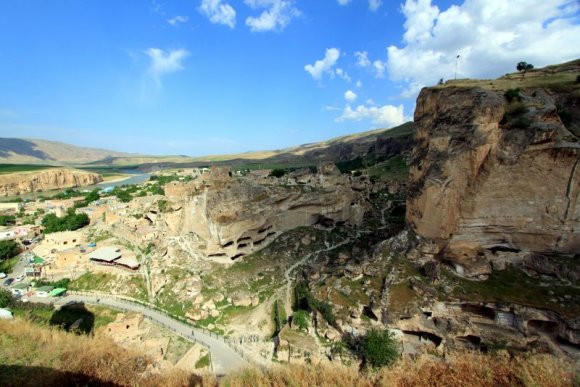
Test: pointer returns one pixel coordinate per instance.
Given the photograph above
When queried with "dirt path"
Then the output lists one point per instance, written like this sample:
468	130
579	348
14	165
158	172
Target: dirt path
288	302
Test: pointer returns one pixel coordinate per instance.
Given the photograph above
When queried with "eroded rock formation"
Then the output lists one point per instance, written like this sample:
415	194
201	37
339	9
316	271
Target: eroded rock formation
50	179
232	217
490	174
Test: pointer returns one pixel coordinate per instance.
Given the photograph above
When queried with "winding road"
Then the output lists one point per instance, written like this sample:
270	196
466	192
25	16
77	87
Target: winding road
224	358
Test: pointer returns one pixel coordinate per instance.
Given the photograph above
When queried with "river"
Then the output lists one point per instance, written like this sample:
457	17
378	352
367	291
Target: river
135	178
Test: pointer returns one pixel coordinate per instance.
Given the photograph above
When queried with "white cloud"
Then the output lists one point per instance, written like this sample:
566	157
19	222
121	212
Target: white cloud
344	2
490	36
379	68
343	75
350	95
324	65
164	62
375	4
276	17
370	102
177	20
358	83
386	116
362	58
218	12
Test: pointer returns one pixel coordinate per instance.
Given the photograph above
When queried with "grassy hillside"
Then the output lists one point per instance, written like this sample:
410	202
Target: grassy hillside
338	149
33	355
33	151
558	76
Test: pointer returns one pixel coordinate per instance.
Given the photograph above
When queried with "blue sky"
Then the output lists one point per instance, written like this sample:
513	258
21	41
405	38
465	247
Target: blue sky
202	77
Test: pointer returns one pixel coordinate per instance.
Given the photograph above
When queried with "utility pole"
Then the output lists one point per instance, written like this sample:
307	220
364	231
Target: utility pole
456	60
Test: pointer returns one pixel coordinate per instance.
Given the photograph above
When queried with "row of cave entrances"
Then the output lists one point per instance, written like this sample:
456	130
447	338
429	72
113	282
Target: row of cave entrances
244	242
532	326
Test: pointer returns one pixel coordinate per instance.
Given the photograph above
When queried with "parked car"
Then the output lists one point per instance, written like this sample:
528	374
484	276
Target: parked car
2	275
19	278
8	281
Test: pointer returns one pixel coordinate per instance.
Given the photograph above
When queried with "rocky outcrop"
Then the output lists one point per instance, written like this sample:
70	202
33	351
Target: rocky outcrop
232	217
50	179
488	174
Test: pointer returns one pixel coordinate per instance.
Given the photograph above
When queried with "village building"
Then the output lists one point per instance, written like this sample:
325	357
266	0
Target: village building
112	256
59	241
10	208
43	291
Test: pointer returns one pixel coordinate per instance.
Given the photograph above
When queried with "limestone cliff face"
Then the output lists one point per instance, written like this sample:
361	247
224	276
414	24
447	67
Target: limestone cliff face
234	217
489	174
58	178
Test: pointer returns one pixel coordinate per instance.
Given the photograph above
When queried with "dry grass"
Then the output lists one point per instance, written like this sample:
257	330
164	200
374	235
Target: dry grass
31	355
466	369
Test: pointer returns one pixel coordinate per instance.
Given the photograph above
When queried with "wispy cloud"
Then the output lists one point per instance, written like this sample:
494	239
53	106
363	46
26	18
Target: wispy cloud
276	17
165	62
218	12
175	21
375	4
362	58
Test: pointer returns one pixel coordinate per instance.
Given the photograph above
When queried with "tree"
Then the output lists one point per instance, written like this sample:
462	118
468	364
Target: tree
7	220
70	222
6	299
277	172
8	249
380	348
300	318
92	196
523	67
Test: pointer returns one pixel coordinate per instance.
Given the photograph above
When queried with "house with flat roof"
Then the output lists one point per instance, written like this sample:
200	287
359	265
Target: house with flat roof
105	255
64	240
43	291
113	256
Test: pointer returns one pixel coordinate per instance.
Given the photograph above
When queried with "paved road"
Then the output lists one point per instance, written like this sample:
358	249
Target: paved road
224	358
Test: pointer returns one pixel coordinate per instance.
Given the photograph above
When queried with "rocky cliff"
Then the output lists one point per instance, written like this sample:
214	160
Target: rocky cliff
45	180
232	217
497	169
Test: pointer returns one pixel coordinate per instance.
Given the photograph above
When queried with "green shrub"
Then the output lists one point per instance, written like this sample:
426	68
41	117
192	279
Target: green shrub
8	249
277	172
7	220
6	299
513	94
380	348
70	222
300	319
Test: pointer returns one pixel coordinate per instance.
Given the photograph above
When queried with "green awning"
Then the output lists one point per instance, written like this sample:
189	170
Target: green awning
37	260
57	292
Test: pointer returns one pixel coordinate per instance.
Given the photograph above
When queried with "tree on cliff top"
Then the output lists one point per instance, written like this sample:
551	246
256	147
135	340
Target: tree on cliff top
523	67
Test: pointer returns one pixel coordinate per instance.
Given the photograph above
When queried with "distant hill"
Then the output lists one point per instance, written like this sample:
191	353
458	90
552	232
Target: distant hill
33	151
384	142
42	152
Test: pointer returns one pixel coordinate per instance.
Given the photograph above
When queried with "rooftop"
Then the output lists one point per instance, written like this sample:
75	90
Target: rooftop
109	254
